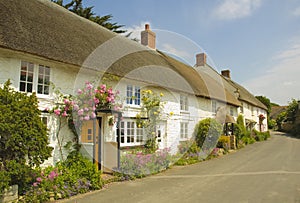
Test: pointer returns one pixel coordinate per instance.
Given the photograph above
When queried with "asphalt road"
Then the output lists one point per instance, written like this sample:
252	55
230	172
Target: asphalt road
263	172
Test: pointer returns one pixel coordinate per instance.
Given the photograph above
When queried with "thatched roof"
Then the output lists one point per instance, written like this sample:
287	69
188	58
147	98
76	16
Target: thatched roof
245	95
45	29
234	88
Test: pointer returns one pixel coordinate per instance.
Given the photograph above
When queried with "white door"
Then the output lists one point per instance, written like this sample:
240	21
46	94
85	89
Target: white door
161	135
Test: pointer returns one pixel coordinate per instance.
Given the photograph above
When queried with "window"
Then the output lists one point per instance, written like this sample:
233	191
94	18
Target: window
34	79
133	95
43	80
184	103
242	108
214	106
231	111
183	130
131	134
26	77
89	134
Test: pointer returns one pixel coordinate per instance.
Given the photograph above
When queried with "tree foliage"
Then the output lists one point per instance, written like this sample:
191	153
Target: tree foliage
76	6
292	110
266	101
23	136
207	133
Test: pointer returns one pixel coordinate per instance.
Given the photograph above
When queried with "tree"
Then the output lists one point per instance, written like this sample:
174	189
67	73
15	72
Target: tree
292	110
23	136
207	133
266	101
76	6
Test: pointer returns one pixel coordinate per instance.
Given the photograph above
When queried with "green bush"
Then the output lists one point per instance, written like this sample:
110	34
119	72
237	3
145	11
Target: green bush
224	142
4	183
20	174
261	136
73	176
188	153
207	133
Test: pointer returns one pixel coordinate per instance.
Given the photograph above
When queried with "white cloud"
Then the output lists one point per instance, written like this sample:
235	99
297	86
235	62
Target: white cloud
234	9
135	30
296	12
281	83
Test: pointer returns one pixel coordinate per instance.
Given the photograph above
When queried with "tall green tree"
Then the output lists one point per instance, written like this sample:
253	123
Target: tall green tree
266	101
292	110
76	6
23	136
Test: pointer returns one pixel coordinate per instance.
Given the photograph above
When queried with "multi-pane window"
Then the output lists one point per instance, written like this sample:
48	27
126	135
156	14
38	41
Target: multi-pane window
133	95
184	103
34	79
26	77
183	130
43	80
131	134
214	106
231	111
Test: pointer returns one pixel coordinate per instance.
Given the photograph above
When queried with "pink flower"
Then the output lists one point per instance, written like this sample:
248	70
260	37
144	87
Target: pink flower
110	91
89	86
76	107
35	184
103	87
57	112
108	99
80	112
64	114
87	117
96	100
79	91
52	175
93	115
66	101
86	109
39	179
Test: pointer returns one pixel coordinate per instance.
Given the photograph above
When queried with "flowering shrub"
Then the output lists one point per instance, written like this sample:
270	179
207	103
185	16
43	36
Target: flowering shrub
68	178
87	100
151	109
188	153
141	164
81	107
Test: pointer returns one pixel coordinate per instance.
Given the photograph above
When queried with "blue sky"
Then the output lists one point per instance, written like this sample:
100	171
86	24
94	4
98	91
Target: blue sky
258	40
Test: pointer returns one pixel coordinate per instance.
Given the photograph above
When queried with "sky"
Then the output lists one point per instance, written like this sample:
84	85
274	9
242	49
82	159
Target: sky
258	40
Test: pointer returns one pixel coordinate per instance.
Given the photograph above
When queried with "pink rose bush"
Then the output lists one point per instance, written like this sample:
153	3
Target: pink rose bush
82	106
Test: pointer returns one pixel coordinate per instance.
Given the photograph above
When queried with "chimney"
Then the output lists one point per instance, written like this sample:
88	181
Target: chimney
200	59
226	73
148	37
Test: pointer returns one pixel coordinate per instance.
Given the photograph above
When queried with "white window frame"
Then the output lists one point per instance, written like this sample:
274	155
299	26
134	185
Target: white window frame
35	78
184	103
184	130
133	95
130	132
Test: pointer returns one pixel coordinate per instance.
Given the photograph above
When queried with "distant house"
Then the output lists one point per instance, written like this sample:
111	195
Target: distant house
42	42
254	112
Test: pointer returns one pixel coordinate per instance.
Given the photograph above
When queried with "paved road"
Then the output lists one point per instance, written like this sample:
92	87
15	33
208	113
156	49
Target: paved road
263	172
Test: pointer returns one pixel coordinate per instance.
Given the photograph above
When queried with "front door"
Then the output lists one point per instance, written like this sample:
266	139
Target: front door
160	135
91	132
